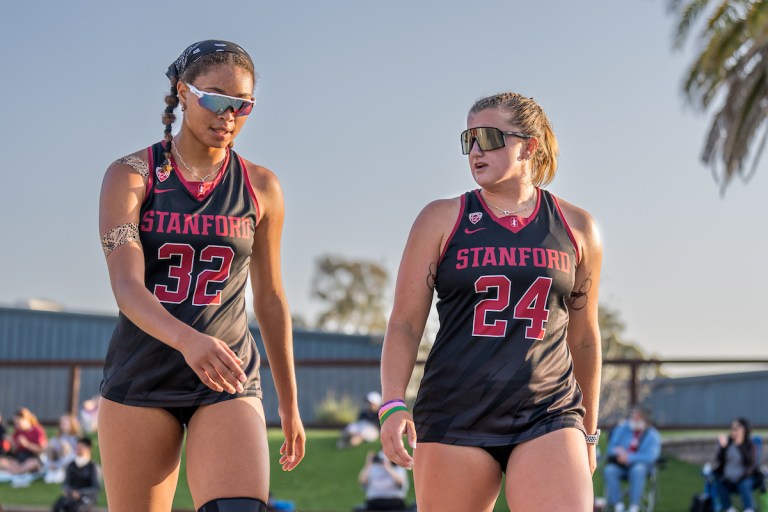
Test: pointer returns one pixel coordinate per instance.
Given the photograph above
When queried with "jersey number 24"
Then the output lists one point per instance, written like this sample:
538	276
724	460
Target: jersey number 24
532	307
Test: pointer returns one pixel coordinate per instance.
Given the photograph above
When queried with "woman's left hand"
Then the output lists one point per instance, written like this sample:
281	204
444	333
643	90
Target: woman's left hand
292	449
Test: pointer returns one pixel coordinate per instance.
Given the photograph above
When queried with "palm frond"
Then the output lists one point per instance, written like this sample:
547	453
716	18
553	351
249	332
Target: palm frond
687	18
751	117
758	154
719	17
757	19
732	66
735	126
711	67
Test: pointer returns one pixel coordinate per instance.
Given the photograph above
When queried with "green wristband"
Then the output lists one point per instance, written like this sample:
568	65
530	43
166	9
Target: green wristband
389	413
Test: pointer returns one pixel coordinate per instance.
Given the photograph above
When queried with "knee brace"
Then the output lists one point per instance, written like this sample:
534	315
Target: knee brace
234	505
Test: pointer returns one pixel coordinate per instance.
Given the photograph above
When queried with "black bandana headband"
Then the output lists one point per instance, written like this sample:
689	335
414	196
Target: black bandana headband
197	50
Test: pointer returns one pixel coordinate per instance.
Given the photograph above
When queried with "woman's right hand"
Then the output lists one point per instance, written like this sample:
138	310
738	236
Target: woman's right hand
723	440
392	431
214	363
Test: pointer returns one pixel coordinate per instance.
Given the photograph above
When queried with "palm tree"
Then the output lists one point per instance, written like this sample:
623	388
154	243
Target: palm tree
732	69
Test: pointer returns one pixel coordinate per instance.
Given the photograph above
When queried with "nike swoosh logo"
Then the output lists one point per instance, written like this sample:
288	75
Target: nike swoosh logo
470	231
162	191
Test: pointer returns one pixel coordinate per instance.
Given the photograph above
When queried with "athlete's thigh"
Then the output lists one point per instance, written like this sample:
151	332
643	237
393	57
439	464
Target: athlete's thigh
140	451
449	478
550	474
227	451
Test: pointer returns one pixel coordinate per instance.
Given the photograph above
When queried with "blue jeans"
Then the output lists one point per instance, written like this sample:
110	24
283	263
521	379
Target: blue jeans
613	474
743	487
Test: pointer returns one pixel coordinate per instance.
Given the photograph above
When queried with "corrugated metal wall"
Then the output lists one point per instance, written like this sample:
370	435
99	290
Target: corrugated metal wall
710	400
42	335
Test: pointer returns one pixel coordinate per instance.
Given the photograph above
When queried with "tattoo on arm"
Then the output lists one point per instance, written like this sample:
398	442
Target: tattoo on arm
139	165
578	298
117	236
431	276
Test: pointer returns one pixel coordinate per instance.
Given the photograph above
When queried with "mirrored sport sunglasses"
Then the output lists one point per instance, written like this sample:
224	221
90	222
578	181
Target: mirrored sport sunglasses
487	138
219	103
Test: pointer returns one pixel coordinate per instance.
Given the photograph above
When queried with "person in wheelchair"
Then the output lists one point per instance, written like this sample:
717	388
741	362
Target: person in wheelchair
736	468
633	449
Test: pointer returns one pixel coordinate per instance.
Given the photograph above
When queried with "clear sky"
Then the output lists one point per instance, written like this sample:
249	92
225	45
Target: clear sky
360	105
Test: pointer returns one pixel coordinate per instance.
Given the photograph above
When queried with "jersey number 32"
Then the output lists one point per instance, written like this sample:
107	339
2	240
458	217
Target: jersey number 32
182	274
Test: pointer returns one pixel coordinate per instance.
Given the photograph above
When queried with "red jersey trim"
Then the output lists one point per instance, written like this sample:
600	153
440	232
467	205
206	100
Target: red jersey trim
462	207
151	176
567	228
193	186
505	222
251	192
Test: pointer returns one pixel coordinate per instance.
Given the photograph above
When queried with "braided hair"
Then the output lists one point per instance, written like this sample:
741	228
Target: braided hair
171	102
186	69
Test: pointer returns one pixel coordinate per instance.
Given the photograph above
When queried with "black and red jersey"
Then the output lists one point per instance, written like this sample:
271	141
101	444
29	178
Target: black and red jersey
500	371
197	240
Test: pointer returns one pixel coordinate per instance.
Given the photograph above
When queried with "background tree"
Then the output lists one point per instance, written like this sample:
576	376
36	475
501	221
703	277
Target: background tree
354	294
614	390
731	68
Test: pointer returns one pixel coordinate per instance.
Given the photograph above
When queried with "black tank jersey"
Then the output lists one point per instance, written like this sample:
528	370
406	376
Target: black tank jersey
500	371
197	244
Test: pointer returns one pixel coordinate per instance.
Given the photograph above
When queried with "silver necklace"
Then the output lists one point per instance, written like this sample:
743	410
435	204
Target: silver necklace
212	173
527	205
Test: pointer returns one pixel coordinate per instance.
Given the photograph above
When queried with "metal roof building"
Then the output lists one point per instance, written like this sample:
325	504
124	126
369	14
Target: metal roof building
709	400
39	349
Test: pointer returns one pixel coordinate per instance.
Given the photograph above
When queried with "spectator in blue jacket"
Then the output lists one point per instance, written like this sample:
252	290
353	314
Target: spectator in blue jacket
633	448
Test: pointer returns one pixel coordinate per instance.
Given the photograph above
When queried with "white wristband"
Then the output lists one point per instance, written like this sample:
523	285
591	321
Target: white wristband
594	438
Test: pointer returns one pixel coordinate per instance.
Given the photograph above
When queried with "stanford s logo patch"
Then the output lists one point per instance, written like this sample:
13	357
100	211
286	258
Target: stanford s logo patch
162	175
475	217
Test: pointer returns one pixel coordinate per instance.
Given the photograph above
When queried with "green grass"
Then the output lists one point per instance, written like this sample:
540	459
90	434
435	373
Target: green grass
327	480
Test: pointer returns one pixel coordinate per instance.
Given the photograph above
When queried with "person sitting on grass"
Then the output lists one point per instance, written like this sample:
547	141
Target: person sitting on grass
385	483
366	428
5	440
61	449
82	483
28	442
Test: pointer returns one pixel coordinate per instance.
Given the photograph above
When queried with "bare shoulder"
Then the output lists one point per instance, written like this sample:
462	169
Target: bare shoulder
439	215
263	181
582	224
122	191
127	173
136	163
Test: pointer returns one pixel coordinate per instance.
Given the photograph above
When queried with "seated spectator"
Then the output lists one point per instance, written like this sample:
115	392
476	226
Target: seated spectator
61	449
633	448
89	415
385	483
5	440
366	428
736	468
28	443
82	483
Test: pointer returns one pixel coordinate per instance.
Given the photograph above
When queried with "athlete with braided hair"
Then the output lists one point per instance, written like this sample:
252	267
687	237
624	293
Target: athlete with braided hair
184	223
511	383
